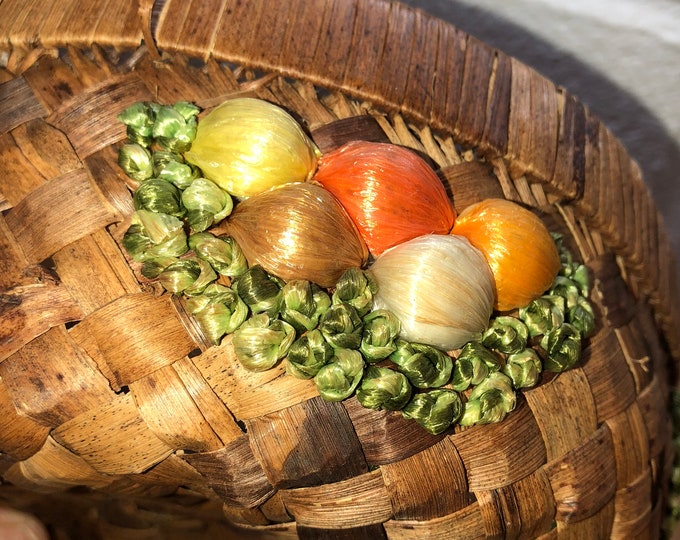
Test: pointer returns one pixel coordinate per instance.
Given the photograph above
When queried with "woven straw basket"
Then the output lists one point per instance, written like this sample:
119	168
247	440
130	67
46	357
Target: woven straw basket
117	420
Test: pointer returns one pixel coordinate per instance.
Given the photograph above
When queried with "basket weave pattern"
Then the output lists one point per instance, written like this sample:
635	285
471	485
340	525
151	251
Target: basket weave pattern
116	418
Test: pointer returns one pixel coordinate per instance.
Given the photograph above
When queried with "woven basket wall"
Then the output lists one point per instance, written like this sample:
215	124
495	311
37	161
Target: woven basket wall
117	420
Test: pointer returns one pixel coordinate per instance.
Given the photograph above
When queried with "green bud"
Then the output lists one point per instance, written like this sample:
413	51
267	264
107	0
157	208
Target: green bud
135	160
581	277
562	346
542	314
187	109
158	227
206	276
571	269
180	275
338	379
261	341
218	311
490	401
139	116
322	300
172	131
308	354
172	168
506	334
139	119
298	303
223	253
424	365
523	368
356	288
190	276
566	288
565	255
342	326
152	235
473	365
152	268
158	196
260	292
136	242
381	328
303	304
383	388
207	204
434	410
582	317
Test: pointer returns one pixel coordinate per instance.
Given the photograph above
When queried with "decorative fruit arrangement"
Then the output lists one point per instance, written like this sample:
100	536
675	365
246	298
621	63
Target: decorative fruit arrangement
351	267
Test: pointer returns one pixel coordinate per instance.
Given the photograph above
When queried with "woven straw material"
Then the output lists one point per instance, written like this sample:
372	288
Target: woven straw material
117	420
